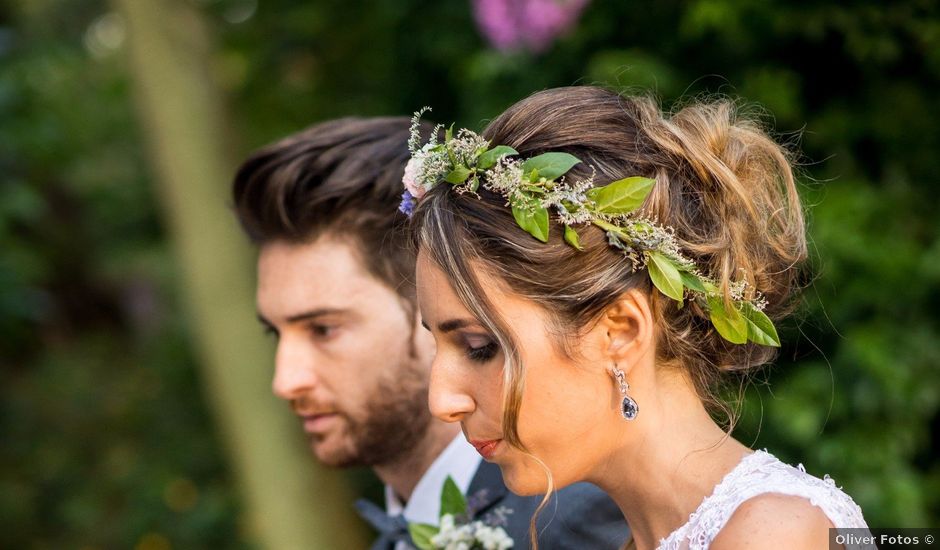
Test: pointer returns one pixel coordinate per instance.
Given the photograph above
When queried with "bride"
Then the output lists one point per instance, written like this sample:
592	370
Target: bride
592	271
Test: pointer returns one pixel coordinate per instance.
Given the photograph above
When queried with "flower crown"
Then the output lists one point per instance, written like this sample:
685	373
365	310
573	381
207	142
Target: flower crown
537	185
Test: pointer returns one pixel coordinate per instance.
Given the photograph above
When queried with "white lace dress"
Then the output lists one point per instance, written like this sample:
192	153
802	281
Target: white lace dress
760	473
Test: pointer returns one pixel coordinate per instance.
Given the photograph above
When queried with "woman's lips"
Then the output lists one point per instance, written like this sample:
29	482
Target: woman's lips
486	448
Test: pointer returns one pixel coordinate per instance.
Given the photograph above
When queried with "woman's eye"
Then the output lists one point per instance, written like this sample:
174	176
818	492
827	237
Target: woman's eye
484	354
481	350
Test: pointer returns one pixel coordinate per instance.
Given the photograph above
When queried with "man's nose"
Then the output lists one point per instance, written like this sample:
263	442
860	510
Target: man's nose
294	372
447	396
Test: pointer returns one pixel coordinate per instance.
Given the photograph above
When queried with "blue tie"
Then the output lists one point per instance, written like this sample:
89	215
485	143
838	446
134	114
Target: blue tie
391	528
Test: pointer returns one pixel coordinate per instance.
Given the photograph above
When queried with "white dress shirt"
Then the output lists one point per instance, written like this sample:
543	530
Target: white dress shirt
459	461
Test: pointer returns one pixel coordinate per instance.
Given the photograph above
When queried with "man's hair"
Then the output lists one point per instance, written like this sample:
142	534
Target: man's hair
341	178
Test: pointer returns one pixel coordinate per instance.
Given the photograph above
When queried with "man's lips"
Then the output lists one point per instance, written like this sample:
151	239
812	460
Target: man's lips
487	448
319	423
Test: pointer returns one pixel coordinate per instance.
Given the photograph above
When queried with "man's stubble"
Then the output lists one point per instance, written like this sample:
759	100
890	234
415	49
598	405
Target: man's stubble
395	420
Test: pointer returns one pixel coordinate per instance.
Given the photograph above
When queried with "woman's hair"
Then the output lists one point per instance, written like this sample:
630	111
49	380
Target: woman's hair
723	185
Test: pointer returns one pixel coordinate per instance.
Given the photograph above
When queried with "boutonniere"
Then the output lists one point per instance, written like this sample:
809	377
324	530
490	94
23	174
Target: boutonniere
458	528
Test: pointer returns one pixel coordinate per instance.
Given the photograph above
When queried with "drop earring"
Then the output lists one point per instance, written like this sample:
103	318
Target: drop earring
628	407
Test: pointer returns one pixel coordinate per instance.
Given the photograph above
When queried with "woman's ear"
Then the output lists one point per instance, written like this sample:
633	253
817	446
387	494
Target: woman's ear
630	328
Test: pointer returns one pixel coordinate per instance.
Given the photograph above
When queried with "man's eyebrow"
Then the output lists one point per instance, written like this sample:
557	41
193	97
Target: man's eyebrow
305	315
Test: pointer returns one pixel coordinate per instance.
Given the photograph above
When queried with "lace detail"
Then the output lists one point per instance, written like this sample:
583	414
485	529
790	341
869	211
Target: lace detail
757	474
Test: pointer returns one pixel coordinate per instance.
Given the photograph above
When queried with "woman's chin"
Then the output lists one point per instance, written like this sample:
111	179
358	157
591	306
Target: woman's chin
523	482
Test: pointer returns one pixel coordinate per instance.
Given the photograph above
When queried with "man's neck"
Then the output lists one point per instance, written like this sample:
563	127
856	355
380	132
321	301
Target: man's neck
403	474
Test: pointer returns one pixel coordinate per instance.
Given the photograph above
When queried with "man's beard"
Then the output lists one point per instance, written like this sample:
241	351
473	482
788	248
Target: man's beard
395	420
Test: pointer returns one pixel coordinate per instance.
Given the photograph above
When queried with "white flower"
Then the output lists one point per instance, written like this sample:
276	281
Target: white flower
412	177
505	177
493	538
467	536
447	523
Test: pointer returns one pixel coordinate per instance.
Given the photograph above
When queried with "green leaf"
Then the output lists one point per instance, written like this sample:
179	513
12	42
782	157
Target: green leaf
760	329
622	196
665	275
490	158
449	133
532	217
458	175
571	237
731	325
606	226
421	534
710	288
533	176
550	165
452	500
691	281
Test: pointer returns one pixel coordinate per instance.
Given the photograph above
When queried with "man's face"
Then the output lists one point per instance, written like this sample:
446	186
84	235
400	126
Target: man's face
349	358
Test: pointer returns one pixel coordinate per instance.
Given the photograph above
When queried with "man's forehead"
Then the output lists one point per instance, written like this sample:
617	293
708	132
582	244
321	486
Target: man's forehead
314	275
324	276
319	259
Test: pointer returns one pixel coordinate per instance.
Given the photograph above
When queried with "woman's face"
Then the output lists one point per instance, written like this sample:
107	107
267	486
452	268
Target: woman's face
567	403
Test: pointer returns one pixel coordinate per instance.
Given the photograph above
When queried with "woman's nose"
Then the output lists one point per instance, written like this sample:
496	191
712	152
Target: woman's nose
447	397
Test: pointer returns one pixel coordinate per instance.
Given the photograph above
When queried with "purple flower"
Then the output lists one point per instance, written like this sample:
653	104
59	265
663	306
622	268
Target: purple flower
526	24
498	517
476	501
407	206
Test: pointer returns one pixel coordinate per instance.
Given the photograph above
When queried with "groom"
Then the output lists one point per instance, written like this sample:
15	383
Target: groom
336	288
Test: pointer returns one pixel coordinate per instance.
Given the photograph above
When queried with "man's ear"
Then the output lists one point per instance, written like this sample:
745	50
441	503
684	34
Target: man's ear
630	328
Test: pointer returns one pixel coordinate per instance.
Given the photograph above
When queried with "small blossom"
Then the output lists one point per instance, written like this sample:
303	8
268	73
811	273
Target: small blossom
412	174
505	177
476	501
432	168
466	146
407	206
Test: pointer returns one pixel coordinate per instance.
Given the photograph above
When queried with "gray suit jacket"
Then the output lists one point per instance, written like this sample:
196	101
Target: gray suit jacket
578	517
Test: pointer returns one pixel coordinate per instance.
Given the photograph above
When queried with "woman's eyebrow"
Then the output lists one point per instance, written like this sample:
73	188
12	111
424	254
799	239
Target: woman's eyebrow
451	324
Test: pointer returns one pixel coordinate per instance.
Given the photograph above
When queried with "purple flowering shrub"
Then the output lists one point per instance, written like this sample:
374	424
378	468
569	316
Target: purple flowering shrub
526	24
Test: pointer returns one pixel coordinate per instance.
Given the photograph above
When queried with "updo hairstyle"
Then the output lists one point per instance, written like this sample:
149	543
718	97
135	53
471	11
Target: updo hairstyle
723	185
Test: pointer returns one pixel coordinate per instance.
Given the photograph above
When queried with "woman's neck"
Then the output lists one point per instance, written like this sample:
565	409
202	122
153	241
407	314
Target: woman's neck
668	460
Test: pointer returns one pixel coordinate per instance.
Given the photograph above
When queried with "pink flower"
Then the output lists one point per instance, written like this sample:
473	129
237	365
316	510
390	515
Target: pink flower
526	24
410	179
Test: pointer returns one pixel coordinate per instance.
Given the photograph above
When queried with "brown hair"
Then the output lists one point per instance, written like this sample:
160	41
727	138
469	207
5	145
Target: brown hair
341	177
726	188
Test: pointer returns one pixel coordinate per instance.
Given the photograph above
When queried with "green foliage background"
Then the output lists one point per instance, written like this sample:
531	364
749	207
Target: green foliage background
106	438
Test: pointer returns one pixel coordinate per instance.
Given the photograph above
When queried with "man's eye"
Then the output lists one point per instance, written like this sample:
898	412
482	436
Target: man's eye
322	331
